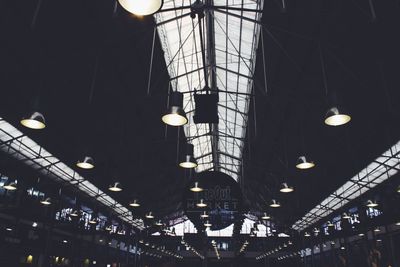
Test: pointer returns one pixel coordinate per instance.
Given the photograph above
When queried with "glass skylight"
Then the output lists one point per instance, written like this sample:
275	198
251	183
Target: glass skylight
21	147
235	42
381	169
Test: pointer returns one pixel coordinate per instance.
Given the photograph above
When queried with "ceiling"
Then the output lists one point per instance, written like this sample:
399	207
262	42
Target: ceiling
52	65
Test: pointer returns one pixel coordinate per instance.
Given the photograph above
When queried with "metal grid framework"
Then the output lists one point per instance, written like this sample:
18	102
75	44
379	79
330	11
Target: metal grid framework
187	227
21	147
378	171
231	43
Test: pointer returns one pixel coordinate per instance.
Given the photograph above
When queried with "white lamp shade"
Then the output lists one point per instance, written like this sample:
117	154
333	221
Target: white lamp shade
141	7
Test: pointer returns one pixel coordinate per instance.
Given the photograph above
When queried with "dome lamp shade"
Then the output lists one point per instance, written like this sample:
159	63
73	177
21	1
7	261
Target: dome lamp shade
274	204
188	161
87	163
286	189
10	185
35	121
115	187
135	203
149	215
335	117
46	201
265	216
175	115
372	204
303	164
201	204
207	224
141	7
204	215
196	188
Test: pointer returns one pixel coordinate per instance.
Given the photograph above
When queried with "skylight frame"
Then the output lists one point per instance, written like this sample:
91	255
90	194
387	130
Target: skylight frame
378	171
21	147
236	41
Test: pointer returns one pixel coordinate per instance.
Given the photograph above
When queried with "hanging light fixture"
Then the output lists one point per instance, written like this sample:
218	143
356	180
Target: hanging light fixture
377	229
286	189
34	120
274	204
141	7
330	224
109	226
204	215
149	215
303	164
175	116
115	187
74	213
188	161
159	223
207	224
398	189
372	204
307	234
10	185
87	163
265	216
334	117
196	188
201	204
135	203
94	219
346	216
46	201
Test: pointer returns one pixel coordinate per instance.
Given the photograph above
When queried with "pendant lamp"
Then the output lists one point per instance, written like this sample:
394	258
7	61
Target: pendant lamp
46	201
274	204
175	115
188	161
34	120
196	188
286	189
10	185
265	216
141	7
336	117
135	203
201	204
115	187
87	163
303	164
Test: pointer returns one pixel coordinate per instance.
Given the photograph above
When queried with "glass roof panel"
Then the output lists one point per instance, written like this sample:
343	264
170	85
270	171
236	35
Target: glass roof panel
381	169
235	44
23	148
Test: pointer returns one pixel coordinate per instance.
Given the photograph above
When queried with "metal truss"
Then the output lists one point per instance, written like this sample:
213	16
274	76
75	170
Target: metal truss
378	171
22	148
217	51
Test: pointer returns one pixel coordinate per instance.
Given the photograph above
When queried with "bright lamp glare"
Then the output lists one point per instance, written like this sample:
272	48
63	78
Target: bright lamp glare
141	7
174	119
337	120
188	165
33	124
85	165
196	188
305	165
46	202
34	121
10	187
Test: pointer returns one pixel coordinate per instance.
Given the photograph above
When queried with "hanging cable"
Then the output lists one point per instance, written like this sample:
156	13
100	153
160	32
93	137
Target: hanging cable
151	61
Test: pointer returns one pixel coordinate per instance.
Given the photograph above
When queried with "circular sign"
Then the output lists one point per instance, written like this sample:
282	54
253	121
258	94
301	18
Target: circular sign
212	199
